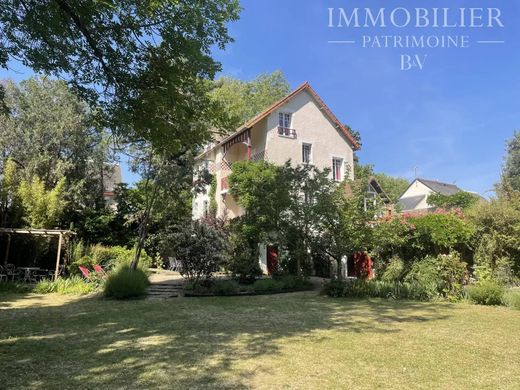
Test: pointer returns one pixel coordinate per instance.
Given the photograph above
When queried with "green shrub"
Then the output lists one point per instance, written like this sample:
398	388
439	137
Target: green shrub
225	287
439	276
13	287
103	255
438	233
394	271
125	282
200	248
85	261
267	285
119	256
375	289
75	285
334	288
487	292
242	259
293	282
512	298
108	257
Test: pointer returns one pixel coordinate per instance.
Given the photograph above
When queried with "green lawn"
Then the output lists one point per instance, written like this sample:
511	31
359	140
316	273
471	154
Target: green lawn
284	341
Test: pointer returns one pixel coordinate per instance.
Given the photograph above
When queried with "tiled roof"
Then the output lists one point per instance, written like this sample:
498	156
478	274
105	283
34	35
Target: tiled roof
441	188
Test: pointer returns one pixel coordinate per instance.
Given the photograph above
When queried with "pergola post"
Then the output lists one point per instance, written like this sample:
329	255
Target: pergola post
56	272
6	257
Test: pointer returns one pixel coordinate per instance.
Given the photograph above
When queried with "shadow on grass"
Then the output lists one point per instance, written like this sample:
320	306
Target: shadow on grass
187	343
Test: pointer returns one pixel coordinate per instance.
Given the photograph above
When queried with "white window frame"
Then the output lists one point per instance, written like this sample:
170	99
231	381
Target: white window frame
341	168
282	119
304	144
285	124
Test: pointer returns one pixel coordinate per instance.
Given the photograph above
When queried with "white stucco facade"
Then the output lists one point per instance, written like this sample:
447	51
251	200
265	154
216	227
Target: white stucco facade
311	124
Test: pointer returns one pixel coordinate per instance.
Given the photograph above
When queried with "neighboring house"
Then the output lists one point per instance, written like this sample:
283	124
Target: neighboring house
375	195
416	195
299	127
111	179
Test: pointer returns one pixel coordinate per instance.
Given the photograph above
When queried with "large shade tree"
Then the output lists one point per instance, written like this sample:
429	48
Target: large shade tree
511	172
50	134
142	65
242	100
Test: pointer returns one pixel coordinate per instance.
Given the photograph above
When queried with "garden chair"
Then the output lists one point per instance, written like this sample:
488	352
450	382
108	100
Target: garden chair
11	271
3	274
99	270
84	271
172	264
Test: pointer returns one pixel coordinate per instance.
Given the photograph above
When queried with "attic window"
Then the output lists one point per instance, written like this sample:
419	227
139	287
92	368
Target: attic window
284	125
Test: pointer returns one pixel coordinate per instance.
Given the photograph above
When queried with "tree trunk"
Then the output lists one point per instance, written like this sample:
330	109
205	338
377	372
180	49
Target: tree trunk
143	226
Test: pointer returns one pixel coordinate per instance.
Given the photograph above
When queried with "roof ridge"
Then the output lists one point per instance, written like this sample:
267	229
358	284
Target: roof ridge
436	181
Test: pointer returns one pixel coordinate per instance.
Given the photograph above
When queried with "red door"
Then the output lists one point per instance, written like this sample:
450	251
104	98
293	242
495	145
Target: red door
272	259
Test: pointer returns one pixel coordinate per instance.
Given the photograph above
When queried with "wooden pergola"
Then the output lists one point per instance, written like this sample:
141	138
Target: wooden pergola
61	234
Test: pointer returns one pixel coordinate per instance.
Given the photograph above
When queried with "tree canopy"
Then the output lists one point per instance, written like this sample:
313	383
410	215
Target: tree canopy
50	140
511	172
462	200
242	100
392	186
142	65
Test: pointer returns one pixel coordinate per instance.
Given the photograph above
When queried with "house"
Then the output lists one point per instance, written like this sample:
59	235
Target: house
111	179
375	195
416	195
299	127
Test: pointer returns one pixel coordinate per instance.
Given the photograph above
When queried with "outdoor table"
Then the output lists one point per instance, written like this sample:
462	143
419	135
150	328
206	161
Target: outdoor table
28	273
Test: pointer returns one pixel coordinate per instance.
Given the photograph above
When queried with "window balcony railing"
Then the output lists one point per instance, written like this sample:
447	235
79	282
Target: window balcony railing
286	132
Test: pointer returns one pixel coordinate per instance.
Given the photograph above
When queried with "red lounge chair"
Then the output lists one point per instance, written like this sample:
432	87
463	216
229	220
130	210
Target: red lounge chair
99	269
84	271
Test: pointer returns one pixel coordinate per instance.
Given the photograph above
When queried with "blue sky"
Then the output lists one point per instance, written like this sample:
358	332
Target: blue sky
449	121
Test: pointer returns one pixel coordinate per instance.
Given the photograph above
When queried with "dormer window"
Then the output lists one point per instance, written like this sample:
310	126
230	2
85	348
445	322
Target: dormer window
284	125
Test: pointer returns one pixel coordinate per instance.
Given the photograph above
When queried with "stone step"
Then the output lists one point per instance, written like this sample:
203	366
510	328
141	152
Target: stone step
165	288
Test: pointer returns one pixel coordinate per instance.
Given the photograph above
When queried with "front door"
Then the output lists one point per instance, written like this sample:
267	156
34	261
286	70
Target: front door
272	259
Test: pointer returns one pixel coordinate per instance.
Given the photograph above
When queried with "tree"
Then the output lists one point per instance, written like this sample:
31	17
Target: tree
348	228
462	200
511	171
242	100
392	186
50	133
200	249
497	236
9	200
304	223
163	196
260	188
301	209
140	65
42	208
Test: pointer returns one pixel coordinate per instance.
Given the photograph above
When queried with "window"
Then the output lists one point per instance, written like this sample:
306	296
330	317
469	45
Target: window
205	208
337	169
284	120
306	153
284	125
